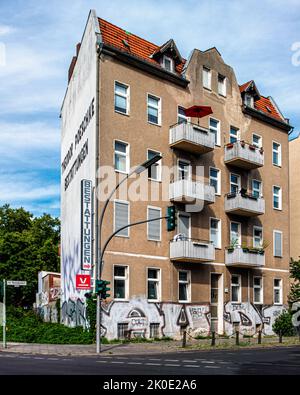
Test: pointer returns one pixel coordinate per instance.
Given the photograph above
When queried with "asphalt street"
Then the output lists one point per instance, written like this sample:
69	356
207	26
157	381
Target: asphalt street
275	361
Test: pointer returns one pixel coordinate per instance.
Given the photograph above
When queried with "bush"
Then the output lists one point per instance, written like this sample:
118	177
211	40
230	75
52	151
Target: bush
283	325
27	327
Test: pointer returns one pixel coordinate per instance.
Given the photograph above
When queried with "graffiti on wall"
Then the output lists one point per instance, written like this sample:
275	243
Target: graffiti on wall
74	313
250	319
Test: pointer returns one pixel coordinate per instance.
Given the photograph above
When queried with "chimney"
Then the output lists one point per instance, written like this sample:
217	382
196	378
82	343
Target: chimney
73	62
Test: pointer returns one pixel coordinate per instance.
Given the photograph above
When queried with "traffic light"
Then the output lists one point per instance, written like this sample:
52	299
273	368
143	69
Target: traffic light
106	289
171	218
102	289
99	287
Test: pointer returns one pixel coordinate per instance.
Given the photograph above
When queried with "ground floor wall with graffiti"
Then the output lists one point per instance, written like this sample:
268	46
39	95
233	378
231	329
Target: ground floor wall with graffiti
139	318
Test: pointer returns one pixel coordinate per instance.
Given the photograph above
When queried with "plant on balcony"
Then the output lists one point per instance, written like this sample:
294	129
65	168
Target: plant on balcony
242	143
245	247
252	147
261	150
229	145
232	246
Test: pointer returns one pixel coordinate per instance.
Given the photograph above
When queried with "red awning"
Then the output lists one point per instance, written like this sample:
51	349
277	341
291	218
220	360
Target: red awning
198	111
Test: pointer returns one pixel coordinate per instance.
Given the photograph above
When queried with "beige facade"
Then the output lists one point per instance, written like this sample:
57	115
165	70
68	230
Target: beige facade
211	272
294	149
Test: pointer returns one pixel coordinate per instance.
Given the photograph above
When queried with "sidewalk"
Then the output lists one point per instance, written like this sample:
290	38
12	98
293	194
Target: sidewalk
143	348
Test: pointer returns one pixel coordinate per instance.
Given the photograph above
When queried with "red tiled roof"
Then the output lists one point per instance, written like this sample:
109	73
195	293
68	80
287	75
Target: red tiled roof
143	49
263	104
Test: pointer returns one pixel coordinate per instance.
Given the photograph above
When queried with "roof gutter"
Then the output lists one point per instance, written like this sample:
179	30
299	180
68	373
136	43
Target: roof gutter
267	119
144	65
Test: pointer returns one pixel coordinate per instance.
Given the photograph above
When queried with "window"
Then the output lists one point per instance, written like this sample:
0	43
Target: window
236	288
184	224
184	170
277	242
120	282
249	100
206	75
153	284
154	109
168	63
256	188
276	154
121	218
121	157
215	179
257	237
258	290
234	134
181	117
214	295
184	286
214	127
154	228
221	85
256	140
122	331
235	183
277	291
215	232
235	233
277	198
121	98
154	172
154	330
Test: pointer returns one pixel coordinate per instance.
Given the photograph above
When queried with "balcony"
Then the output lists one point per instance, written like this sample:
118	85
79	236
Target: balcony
240	257
244	155
192	138
186	191
191	250
244	204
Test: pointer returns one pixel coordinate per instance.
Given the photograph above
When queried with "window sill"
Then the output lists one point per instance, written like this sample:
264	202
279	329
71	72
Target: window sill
184	301
153	300
154	124
152	179
122	113
121	172
123	237
224	96
277	209
279	166
120	300
207	89
157	241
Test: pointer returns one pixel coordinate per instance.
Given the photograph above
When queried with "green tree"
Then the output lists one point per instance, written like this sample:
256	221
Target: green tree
27	246
295	275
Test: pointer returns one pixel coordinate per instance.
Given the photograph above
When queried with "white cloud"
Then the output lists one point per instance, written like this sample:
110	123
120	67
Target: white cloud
5	30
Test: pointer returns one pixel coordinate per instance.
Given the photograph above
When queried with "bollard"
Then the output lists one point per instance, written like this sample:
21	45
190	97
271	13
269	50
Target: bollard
184	339
237	338
280	337
213	338
259	337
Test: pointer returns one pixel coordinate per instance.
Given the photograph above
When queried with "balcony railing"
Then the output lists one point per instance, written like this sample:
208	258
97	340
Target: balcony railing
244	204
186	191
191	250
244	155
192	138
241	257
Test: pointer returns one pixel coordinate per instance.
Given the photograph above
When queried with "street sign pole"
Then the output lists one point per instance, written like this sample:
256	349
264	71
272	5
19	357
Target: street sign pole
4	314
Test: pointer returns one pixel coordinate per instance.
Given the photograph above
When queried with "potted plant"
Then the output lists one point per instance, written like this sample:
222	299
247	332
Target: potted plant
232	245
243	143
245	247
229	145
252	147
261	150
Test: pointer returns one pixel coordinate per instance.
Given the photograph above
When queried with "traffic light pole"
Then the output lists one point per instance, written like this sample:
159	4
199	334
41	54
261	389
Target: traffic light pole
4	314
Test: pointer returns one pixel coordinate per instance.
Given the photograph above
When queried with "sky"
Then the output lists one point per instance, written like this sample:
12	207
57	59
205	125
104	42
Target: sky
260	39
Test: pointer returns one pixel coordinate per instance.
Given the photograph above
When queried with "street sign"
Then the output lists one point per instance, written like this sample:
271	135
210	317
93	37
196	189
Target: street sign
83	281
17	283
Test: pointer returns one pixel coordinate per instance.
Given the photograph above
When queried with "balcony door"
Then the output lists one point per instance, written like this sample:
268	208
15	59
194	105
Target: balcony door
184	170
235	183
184	224
235	233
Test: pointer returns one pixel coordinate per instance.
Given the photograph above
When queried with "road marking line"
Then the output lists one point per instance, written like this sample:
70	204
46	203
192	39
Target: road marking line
191	366
153	364
38	358
53	359
134	363
212	367
188	361
154	359
171	360
169	364
101	361
24	357
117	362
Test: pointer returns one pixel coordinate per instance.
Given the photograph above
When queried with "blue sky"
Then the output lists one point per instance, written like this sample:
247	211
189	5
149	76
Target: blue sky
254	37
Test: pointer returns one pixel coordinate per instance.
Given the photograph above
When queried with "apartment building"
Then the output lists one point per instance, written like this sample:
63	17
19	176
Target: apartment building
226	265
294	150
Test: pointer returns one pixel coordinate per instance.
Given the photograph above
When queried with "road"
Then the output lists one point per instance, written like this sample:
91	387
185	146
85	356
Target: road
276	361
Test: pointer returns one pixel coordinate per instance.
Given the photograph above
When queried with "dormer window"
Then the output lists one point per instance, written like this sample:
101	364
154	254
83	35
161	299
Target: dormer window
168	64
221	85
249	100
